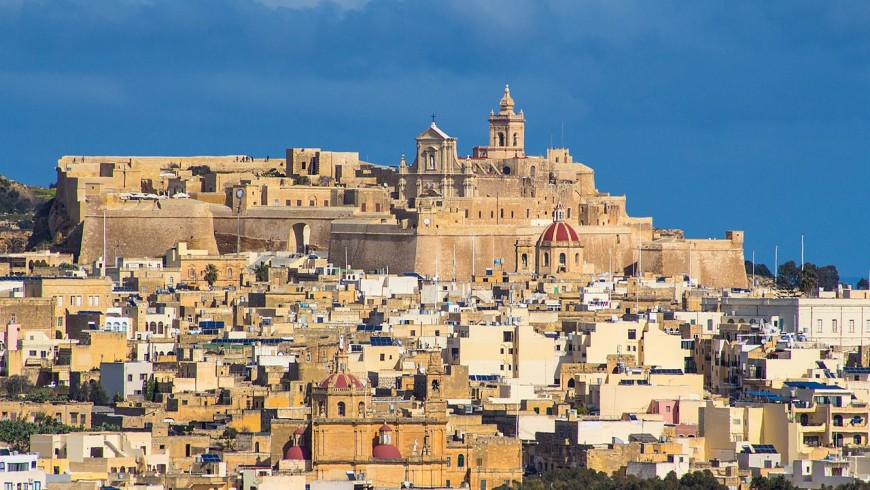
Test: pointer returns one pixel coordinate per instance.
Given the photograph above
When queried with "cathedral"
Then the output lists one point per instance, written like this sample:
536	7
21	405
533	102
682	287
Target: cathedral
457	216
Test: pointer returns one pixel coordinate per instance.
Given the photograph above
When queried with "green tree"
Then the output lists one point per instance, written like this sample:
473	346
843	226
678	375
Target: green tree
16	385
788	276
149	388
262	272
829	277
228	438
773	483
98	394
211	274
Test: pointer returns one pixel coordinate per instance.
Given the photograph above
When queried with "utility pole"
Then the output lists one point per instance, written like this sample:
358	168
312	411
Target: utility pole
104	243
802	252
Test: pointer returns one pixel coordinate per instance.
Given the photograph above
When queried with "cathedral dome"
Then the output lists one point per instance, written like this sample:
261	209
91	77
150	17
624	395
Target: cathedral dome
296	453
341	380
559	231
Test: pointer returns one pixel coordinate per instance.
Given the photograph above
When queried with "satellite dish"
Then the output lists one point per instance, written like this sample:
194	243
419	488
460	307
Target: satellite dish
240	193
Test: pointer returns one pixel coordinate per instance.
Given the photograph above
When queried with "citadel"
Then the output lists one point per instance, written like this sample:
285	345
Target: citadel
439	214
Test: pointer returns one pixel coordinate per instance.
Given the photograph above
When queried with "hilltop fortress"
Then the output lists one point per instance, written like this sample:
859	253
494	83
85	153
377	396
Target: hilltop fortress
439	214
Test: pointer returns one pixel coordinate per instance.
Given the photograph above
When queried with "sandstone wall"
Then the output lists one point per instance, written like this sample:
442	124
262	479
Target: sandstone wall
373	246
146	229
716	263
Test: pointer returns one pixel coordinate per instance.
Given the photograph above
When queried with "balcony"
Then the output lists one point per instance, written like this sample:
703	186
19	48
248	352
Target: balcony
813	427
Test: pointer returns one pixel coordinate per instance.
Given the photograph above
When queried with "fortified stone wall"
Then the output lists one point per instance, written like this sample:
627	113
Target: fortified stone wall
373	246
146	229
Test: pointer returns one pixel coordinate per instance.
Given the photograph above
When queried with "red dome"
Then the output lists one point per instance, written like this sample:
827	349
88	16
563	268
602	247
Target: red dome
386	451
299	431
296	453
341	380
385	428
559	231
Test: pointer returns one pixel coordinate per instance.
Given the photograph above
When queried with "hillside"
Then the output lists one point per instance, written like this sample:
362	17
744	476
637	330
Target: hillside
19	204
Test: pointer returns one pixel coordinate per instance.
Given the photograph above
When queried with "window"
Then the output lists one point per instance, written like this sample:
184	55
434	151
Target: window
32	353
562	259
230	272
341	409
448	465
431	160
129	377
460	461
632	334
546	259
851	326
383	357
60	301
819	325
508	336
834	326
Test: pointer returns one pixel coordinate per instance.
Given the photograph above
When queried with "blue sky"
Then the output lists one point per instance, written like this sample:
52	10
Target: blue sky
708	115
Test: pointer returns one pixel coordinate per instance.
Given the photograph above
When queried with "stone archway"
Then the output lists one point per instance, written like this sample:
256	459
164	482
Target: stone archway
300	238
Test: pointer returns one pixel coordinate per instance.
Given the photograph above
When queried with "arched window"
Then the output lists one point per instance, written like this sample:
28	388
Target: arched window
361	409
515	139
431	161
838	420
256	447
576	259
460	461
562	259
500	139
191	273
532	171
341	409
546	259
230	272
857	440
571	383
525	260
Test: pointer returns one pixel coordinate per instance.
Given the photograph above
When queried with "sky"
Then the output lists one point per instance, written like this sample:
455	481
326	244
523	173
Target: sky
709	116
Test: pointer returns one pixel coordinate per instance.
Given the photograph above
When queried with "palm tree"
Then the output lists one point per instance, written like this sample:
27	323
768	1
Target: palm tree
809	281
211	274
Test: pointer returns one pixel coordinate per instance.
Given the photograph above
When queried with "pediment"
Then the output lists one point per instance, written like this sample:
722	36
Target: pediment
433	133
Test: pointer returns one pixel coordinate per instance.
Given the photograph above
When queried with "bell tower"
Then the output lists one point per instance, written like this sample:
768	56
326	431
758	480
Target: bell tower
506	131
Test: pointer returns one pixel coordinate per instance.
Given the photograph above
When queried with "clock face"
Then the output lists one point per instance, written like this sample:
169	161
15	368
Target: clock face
426	221
240	193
